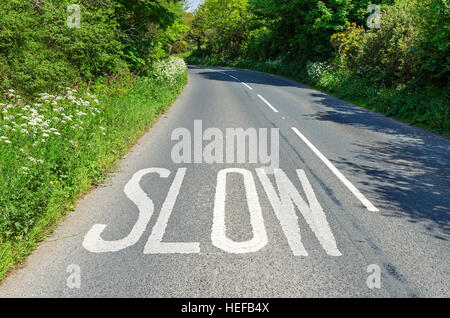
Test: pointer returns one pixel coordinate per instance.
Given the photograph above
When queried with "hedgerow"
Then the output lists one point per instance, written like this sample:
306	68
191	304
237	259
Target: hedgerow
56	147
71	104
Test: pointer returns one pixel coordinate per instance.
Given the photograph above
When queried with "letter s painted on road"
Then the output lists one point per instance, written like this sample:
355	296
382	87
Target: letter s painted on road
94	243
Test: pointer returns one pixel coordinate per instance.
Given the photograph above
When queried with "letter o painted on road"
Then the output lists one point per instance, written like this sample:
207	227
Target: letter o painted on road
218	235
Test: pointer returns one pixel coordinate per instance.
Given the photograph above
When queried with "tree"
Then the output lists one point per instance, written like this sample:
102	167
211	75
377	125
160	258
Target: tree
148	27
221	27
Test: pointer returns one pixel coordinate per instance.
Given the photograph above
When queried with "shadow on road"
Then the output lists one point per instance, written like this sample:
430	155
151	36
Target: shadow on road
409	167
249	77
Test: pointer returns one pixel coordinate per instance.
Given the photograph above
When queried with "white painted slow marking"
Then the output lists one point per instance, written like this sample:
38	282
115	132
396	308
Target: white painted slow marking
284	208
285	213
154	244
268	104
338	174
93	241
218	235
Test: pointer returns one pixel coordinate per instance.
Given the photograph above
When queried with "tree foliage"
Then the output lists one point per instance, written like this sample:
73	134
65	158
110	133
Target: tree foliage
39	52
410	48
221	27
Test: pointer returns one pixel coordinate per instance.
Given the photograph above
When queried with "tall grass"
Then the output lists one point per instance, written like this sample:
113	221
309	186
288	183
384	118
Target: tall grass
56	148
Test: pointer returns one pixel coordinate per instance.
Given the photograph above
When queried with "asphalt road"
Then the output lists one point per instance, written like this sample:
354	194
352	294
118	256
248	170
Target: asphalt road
369	192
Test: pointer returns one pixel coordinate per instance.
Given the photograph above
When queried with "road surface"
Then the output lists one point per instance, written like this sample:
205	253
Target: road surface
354	194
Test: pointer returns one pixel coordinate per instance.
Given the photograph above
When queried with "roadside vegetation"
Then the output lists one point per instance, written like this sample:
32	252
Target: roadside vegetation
74	100
400	69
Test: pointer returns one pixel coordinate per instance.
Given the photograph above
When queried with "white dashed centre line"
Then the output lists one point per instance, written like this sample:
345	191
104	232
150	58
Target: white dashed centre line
237	79
268	104
246	85
338	174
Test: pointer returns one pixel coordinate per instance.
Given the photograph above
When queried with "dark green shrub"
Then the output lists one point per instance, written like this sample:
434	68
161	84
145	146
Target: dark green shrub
39	52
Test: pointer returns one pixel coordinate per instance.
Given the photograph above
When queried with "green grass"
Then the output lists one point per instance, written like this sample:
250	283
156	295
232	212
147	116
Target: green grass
426	108
41	177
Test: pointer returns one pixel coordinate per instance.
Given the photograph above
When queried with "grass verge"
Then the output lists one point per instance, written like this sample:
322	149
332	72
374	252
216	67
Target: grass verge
54	151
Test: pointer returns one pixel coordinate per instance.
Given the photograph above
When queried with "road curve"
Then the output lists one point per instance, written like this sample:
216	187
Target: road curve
370	192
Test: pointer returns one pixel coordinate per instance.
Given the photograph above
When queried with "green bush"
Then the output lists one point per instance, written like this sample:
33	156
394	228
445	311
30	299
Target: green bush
433	45
39	52
55	148
410	49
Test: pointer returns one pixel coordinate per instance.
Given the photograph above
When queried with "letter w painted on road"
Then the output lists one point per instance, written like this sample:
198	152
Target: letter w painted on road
284	209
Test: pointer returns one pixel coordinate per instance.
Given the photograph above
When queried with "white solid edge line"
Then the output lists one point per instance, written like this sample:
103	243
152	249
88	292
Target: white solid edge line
341	177
268	104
